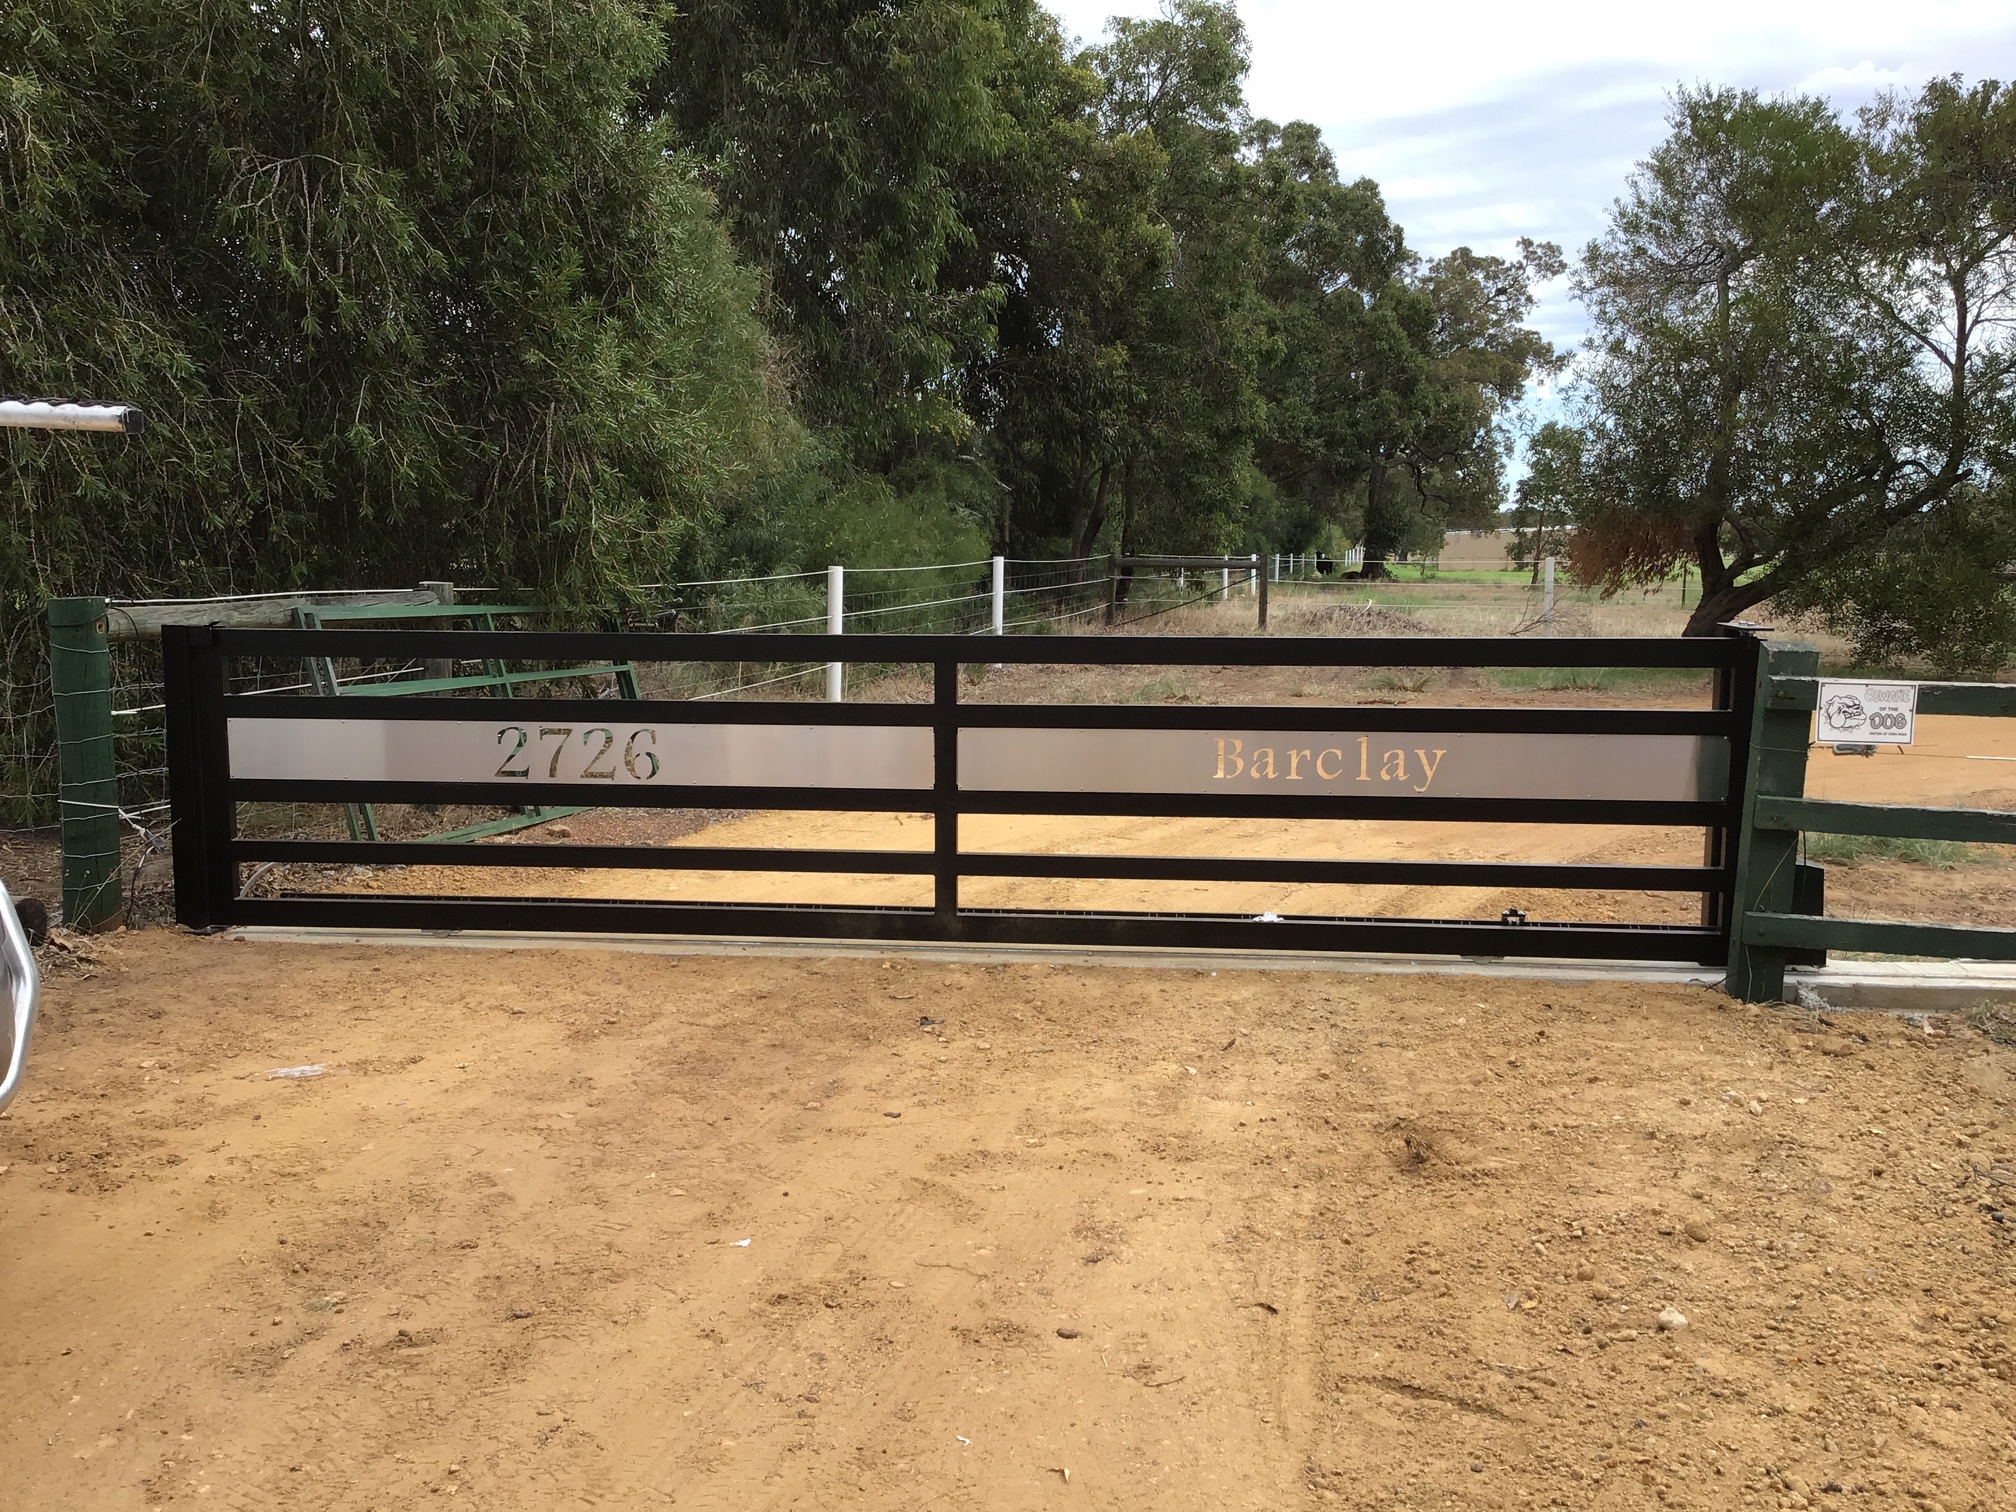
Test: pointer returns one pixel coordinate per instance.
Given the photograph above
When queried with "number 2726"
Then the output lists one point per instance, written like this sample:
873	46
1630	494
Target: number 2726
595	752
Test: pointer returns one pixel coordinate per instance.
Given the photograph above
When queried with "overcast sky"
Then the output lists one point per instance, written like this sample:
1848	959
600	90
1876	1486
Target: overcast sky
1487	122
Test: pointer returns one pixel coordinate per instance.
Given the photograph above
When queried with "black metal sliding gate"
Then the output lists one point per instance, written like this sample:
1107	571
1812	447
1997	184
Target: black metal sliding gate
1667	767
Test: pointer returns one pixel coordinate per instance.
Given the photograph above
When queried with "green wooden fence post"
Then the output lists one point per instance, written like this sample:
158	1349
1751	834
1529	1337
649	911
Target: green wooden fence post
1766	859
80	678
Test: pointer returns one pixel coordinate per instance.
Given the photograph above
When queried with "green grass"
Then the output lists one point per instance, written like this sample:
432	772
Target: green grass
1559	679
1404	679
1168	687
1943	854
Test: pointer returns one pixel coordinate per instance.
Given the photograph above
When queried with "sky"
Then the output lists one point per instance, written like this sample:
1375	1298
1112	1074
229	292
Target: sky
1487	122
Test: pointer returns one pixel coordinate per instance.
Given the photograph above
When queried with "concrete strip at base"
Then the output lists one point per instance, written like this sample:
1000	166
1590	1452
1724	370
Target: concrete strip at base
1903	986
1908	986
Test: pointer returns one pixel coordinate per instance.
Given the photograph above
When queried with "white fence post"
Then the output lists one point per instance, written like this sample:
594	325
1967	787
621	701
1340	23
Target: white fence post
1253	577
836	622
1547	590
1000	598
1224	584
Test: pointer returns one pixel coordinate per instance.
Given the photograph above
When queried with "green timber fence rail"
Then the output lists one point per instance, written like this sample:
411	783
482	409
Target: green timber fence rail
1769	925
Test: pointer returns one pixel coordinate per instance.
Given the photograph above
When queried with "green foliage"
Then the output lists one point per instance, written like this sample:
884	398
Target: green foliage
406	289
1802	363
575	298
1391	378
1122	389
837	134
1150	321
1550	497
1933	590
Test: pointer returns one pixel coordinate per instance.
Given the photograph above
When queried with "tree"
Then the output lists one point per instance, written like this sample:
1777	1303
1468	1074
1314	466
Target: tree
1798	355
1450	357
1389	378
407	290
1122	391
837	134
1549	496
1331	252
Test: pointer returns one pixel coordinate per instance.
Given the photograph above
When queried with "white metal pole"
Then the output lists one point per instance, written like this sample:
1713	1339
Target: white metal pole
59	414
1547	590
1000	598
836	622
1253	577
1224	584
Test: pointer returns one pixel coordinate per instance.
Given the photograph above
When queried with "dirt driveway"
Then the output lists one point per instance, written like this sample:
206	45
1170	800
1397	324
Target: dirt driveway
569	1229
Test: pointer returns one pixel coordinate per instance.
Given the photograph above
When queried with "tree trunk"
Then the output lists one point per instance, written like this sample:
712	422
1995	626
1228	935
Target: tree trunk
1126	541
1722	596
1726	603
1085	529
1382	525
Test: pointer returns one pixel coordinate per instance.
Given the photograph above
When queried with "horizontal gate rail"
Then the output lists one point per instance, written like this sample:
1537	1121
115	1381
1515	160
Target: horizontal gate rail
1619	942
230	748
1567	876
1980	700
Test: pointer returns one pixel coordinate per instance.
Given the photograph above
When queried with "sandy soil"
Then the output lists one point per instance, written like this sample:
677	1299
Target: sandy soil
1254	1240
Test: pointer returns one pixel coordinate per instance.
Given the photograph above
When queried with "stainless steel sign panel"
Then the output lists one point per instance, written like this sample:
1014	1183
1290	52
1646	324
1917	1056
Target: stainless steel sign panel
1655	768
618	752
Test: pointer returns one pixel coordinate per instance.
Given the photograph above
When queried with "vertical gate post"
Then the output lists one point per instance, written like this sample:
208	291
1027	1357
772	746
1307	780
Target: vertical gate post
80	679
945	797
199	777
1261	578
1766	860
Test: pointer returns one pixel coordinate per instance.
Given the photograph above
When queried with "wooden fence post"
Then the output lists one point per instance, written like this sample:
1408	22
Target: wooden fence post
1766	860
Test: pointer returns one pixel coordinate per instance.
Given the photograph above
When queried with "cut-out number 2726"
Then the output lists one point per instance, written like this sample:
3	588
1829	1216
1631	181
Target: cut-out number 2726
639	759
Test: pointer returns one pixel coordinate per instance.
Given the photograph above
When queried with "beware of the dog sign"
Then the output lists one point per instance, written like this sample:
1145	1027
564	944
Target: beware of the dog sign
1865	713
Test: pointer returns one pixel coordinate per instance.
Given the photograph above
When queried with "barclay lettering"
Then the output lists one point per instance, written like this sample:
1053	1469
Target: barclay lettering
1331	763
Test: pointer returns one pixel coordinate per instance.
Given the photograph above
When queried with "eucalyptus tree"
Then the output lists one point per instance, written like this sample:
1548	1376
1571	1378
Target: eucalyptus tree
1391	378
1121	399
837	135
1801	364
